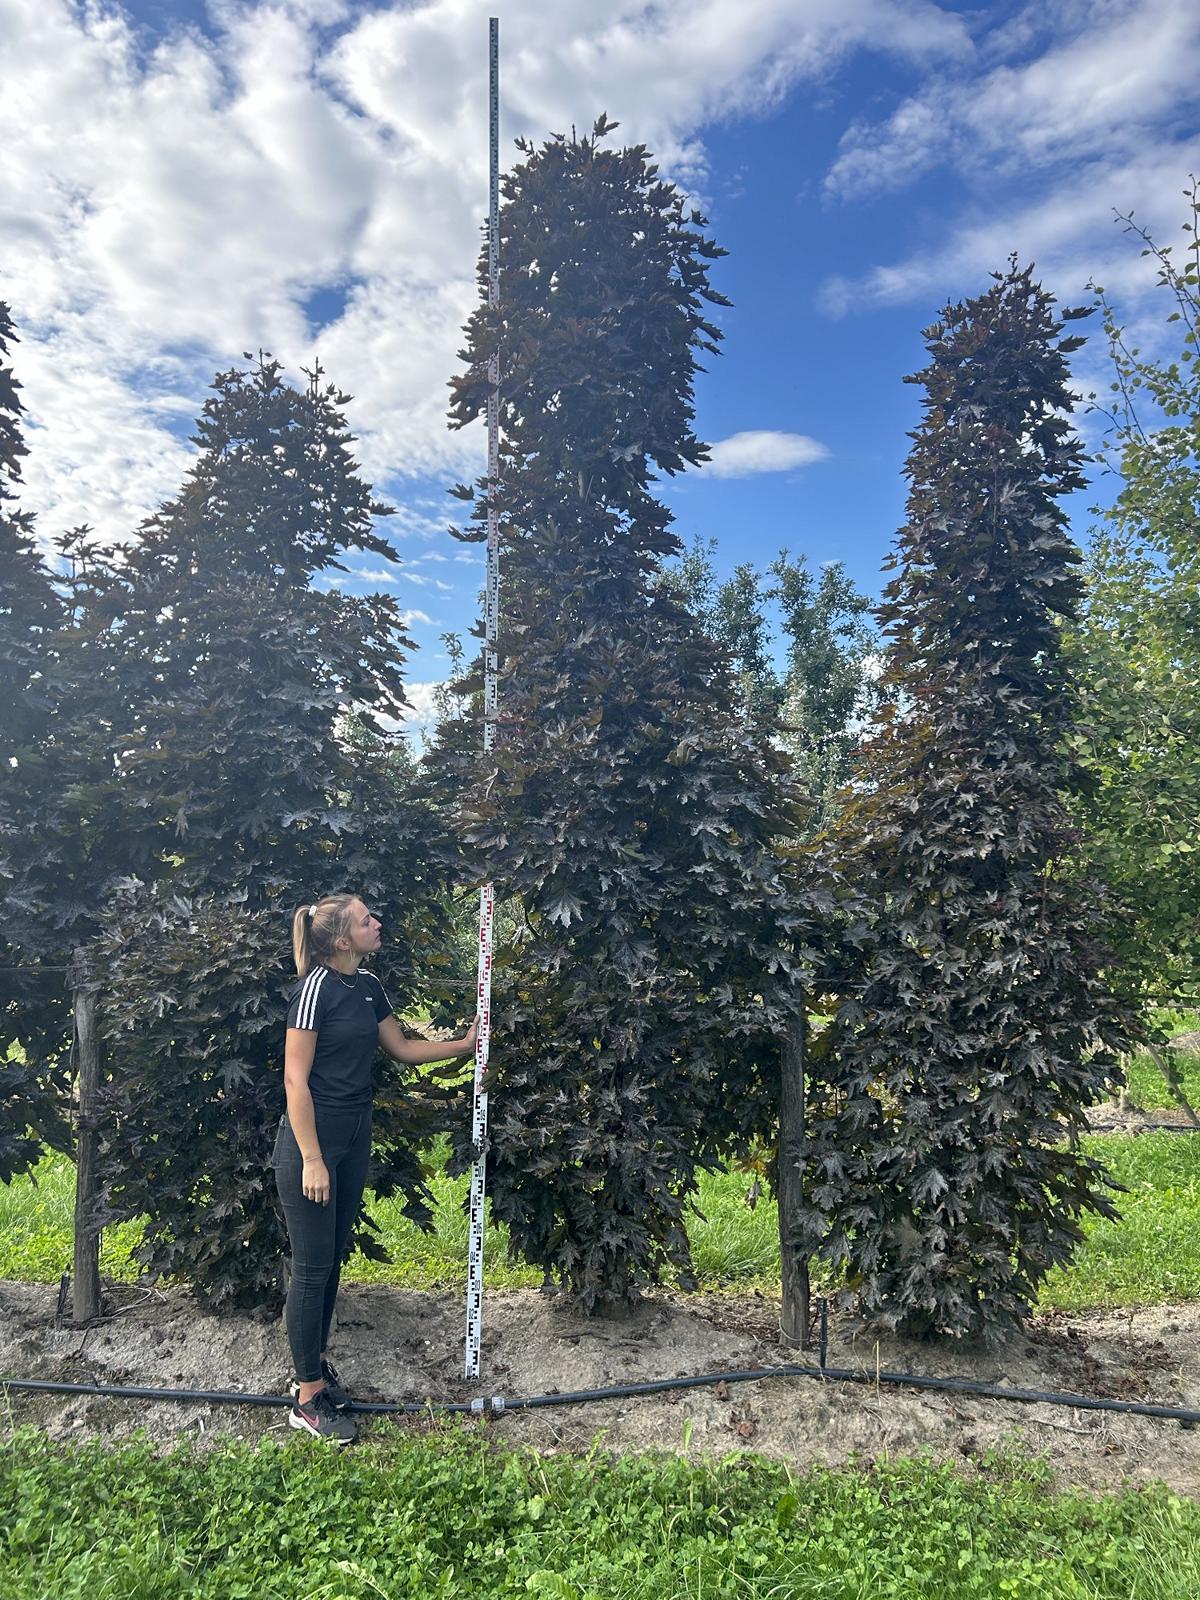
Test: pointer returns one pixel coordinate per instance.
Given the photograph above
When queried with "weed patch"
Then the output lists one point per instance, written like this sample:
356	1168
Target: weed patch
449	1515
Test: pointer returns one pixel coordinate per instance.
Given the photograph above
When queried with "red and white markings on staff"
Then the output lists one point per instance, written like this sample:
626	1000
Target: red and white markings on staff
479	1120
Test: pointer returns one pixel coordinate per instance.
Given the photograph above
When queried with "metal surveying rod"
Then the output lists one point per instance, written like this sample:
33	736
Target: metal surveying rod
487	899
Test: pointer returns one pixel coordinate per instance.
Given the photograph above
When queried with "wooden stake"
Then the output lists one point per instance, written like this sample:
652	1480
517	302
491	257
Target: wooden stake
86	1301
794	1315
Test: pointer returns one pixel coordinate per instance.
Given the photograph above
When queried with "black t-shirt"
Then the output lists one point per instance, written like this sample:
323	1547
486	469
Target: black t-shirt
345	1014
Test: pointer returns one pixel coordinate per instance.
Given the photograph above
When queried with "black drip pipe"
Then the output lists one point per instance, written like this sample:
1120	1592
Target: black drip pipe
1147	1127
628	1391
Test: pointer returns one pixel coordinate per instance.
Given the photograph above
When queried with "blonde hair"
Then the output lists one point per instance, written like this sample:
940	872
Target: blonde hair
316	929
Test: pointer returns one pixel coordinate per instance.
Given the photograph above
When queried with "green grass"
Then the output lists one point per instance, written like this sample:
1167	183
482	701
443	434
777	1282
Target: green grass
37	1227
1152	1255
731	1243
1147	1086
448	1516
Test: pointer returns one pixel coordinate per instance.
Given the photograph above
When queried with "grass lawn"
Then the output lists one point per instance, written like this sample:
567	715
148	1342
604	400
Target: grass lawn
1147	1086
1149	1090
1153	1254
448	1515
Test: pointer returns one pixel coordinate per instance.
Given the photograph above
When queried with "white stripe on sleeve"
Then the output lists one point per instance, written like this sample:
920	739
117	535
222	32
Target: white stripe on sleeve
308	997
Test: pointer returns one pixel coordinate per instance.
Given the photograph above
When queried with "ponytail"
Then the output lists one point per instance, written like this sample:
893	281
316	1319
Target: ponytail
316	929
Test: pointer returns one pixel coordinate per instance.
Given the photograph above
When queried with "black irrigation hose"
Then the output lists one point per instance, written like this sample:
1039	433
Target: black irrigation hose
1144	1127
498	1403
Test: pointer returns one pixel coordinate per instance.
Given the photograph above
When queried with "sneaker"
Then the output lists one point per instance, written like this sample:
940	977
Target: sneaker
334	1387
320	1417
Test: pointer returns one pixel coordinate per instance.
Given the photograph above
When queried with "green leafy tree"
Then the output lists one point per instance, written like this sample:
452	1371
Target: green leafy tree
1136	646
257	750
829	687
627	810
942	1156
803	652
1138	740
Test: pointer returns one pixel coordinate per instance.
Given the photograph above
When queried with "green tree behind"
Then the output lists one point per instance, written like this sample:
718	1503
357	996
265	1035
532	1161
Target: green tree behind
803	652
1136	646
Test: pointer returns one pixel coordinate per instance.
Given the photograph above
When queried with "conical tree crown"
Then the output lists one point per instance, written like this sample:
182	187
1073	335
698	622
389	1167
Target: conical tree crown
604	288
984	1027
245	667
987	564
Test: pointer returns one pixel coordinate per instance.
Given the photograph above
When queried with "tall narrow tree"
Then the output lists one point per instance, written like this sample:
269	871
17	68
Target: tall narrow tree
944	1166
627	810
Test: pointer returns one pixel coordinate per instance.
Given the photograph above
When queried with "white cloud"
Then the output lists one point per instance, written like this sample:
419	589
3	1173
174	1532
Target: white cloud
421	713
761	450
163	211
426	582
1103	84
410	522
407	618
1065	113
375	575
1069	231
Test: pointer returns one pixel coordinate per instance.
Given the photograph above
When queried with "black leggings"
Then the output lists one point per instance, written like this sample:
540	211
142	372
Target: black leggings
320	1234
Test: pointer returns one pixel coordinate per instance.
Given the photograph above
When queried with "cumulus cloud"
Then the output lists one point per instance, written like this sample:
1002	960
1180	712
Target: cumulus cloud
421	712
761	450
425	582
164	207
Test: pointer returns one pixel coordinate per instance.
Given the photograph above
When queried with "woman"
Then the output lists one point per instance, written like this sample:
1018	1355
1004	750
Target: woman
337	1017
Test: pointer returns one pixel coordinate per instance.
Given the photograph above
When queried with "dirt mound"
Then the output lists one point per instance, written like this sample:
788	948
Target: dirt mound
399	1344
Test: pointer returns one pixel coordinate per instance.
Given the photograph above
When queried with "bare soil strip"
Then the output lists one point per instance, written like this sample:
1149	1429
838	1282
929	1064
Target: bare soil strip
397	1344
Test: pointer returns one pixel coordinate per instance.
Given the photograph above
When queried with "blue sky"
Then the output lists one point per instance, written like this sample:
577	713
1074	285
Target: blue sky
188	179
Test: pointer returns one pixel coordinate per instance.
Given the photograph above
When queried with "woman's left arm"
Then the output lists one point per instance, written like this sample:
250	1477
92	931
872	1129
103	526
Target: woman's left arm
418	1052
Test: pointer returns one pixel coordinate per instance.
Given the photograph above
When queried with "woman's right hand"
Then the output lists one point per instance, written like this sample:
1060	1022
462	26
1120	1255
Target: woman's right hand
314	1184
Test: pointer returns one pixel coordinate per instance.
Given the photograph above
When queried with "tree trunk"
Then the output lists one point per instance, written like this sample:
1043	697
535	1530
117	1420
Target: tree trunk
793	1319
86	1302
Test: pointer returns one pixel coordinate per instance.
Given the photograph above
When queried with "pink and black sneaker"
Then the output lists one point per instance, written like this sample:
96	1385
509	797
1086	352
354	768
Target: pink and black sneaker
320	1417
